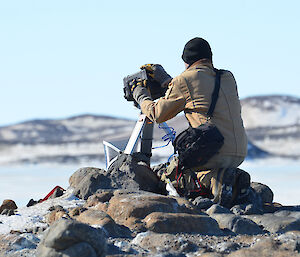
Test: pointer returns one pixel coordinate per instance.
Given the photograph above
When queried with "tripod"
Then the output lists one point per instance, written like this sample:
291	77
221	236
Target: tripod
143	130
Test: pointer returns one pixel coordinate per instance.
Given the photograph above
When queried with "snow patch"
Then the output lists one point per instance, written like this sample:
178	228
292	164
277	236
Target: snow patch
27	218
139	237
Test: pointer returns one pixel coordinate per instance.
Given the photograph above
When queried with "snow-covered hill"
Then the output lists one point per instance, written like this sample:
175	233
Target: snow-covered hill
67	140
272	123
271	111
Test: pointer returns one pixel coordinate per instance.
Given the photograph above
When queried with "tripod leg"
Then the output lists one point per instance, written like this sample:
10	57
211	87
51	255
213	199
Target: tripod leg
135	134
146	140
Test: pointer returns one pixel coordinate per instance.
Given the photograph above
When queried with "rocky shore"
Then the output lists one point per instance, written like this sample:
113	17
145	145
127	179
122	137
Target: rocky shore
124	212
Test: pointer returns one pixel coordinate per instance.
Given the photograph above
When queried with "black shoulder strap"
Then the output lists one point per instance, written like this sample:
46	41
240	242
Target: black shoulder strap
215	94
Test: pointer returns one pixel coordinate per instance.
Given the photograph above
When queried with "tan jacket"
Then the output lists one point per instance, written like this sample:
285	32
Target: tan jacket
191	92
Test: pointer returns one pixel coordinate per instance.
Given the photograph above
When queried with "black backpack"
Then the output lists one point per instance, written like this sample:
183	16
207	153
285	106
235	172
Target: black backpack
195	146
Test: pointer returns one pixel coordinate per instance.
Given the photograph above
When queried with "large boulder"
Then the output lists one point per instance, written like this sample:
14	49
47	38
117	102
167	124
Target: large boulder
127	172
181	222
237	224
86	181
73	239
275	223
131	172
81	173
265	192
100	218
129	208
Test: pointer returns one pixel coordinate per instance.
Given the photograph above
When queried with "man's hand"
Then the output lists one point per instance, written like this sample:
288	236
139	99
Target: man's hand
137	83
157	73
139	90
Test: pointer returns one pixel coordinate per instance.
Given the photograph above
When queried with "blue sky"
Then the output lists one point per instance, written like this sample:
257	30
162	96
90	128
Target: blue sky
61	58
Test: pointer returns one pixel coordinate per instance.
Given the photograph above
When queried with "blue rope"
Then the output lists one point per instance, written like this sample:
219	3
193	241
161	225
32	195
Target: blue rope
170	137
170	157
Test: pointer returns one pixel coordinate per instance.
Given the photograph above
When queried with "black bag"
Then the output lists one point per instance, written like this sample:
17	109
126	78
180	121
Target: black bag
195	146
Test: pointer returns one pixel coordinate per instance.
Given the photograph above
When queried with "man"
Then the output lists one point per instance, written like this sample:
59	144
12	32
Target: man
191	92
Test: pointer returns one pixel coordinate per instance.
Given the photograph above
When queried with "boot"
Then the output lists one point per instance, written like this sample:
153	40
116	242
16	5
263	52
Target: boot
241	187
222	186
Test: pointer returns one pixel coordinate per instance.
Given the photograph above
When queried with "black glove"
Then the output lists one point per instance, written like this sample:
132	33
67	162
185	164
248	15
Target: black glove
139	91
157	73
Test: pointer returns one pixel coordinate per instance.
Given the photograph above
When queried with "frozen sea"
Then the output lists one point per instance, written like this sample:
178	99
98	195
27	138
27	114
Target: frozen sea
21	183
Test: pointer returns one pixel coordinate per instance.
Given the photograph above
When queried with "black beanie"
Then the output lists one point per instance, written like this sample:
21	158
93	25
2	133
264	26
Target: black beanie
196	49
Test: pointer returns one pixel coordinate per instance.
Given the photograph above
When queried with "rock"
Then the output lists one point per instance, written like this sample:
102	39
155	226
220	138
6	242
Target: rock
130	208
216	208
27	240
271	207
252	209
77	211
73	239
16	245
9	205
56	215
92	182
264	248
35	230
56	208
208	254
285	213
96	217
276	224
77	250
245	226
253	198
290	240
31	203
246	209
263	191
289	236
81	173
181	222
100	197
227	247
163	243
202	203
101	206
127	172
237	224
8	212
131	172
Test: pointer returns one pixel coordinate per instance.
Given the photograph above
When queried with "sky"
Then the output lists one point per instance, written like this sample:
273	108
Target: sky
62	58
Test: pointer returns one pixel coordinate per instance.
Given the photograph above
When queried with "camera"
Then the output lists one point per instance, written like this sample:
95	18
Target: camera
156	91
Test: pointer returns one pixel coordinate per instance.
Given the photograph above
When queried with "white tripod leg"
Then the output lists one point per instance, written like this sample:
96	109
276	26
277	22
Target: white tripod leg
135	134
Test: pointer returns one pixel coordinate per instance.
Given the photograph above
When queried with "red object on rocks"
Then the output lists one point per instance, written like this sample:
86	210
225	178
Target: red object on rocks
51	193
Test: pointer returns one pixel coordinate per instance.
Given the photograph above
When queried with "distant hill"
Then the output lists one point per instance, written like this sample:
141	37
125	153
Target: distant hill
272	123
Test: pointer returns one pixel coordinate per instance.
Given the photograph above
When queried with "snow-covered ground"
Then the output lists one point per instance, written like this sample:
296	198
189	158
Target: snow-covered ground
21	183
29	218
